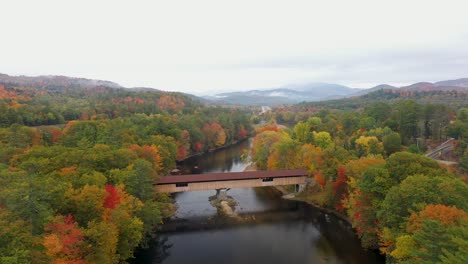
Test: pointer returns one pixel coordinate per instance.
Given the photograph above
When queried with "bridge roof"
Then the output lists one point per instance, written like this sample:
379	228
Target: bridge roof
229	176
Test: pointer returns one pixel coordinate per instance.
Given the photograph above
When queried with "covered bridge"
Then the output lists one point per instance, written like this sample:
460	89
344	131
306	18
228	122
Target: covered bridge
213	181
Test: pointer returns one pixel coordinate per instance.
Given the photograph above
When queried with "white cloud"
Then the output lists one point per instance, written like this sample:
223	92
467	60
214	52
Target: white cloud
200	46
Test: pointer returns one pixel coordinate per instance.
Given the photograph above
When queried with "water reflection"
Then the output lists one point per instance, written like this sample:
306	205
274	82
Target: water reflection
224	160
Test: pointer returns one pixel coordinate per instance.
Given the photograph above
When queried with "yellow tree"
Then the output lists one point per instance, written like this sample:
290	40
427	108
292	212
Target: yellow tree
309	157
215	136
261	147
283	154
322	139
368	146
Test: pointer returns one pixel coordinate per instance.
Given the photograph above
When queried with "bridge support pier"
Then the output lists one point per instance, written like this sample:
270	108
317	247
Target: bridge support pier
299	187
221	194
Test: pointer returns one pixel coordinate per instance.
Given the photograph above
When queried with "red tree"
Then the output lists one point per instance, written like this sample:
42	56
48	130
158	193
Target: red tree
113	197
197	146
318	177
65	241
243	133
340	188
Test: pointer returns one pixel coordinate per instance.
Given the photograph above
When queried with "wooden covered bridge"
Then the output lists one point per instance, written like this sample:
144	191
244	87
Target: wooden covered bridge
216	181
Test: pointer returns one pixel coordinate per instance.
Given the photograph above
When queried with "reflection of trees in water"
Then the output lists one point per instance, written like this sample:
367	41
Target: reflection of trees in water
337	240
161	249
155	252
221	160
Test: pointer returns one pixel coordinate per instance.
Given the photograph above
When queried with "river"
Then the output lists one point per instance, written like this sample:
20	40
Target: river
272	230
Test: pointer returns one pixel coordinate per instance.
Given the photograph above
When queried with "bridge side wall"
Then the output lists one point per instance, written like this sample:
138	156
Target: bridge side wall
200	186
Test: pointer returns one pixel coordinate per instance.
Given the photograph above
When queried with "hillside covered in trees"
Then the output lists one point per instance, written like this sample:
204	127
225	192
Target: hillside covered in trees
456	98
77	163
50	100
368	166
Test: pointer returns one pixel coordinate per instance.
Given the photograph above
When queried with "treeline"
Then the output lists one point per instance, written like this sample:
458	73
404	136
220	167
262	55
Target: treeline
365	166
456	98
415	122
82	192
51	104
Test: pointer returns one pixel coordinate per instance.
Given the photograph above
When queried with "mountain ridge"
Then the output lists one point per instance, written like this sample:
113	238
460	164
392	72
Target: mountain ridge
288	94
56	80
313	92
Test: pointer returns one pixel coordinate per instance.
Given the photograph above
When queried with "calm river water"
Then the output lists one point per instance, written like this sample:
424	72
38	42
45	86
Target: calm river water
272	231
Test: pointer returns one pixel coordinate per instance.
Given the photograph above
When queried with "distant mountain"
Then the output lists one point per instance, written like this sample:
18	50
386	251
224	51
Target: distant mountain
54	80
457	83
382	86
61	83
453	98
144	89
440	86
289	94
375	88
286	95
314	92
420	86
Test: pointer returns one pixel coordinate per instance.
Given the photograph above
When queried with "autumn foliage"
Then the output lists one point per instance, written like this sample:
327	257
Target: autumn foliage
183	145
149	153
170	103
5	94
243	133
447	215
318	177
197	146
215	136
267	128
65	241
100	167
113	197
340	188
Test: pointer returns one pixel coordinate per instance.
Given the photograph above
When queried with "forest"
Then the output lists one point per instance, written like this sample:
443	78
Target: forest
368	167
76	174
77	163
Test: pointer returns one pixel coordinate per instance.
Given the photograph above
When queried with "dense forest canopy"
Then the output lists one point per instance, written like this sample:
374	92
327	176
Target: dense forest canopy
455	98
77	164
368	165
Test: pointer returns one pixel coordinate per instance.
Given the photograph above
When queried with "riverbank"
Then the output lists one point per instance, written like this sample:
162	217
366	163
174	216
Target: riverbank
302	197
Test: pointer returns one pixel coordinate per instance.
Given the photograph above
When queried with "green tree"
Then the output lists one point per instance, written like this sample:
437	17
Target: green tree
415	192
322	139
408	117
303	132
403	164
392	143
380	111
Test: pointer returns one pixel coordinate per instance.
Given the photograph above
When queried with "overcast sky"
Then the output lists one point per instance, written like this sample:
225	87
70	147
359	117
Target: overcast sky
199	46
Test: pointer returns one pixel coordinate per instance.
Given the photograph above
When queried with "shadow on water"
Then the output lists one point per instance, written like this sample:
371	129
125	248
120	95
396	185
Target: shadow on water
268	229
